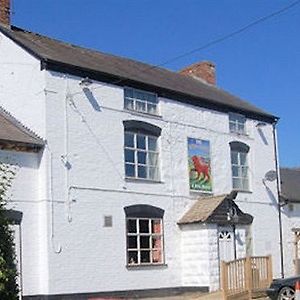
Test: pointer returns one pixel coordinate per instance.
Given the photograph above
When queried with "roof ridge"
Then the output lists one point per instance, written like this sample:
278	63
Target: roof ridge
7	115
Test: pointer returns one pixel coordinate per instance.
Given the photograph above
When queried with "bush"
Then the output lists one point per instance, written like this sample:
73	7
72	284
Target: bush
8	270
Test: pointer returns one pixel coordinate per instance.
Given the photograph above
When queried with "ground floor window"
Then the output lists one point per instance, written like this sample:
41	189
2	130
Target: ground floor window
144	241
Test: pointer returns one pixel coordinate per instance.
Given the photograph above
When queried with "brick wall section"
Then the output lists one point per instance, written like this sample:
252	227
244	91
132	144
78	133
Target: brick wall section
204	70
5	12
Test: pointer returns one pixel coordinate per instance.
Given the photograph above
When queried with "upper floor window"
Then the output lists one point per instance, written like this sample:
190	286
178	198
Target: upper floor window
239	166
140	101
141	150
237	123
144	227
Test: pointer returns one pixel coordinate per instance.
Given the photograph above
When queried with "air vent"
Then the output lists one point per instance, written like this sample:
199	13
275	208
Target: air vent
107	221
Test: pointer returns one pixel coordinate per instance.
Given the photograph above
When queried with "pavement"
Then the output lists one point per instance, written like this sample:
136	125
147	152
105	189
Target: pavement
196	296
203	297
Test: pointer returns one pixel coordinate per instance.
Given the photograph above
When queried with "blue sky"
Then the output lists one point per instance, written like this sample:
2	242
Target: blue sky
262	65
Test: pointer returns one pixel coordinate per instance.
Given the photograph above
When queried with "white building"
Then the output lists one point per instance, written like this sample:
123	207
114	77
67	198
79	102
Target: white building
290	200
123	193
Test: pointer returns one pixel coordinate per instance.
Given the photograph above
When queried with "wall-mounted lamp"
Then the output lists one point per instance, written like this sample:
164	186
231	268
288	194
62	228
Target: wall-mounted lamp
85	82
269	176
232	215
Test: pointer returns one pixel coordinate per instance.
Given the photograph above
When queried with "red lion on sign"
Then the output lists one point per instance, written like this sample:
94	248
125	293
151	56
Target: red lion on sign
201	167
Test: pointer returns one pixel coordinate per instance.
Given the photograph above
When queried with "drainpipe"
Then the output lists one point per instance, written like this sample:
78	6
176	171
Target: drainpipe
279	202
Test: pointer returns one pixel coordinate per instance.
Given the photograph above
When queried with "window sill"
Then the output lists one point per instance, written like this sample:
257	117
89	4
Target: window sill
142	180
139	113
201	192
245	134
146	266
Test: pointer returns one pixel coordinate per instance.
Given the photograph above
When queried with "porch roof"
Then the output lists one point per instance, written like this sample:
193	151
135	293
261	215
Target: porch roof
13	132
201	210
220	210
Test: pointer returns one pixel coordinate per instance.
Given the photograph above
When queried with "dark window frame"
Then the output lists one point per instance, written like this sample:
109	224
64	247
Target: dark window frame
237	123
152	216
141	162
145	105
240	165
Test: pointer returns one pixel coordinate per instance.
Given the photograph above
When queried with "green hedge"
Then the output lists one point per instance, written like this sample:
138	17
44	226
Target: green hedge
8	270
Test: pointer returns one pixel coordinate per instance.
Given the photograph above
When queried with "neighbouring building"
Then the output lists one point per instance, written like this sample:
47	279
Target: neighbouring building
140	179
290	201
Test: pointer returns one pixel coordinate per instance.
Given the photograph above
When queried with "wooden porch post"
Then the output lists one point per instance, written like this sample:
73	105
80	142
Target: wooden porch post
270	269
248	276
224	279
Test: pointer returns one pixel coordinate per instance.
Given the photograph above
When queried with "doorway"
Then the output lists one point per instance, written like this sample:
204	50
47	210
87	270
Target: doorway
226	240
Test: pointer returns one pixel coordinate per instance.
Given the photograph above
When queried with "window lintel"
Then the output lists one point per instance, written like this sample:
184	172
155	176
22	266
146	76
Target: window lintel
140	126
143	211
239	146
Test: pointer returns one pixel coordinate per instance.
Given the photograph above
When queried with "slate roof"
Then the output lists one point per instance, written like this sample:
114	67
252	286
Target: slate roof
11	130
64	57
290	184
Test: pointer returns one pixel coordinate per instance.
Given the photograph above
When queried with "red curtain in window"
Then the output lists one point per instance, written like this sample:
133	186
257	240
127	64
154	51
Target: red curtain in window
157	241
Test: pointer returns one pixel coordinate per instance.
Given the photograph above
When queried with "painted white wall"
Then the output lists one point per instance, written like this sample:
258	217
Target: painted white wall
262	201
241	250
22	93
22	85
195	254
96	184
290	220
200	256
24	196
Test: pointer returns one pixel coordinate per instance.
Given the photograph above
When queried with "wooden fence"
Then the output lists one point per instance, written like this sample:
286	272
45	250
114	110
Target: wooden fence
246	277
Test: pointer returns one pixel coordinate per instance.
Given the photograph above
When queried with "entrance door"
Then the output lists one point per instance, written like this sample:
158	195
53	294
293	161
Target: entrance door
226	243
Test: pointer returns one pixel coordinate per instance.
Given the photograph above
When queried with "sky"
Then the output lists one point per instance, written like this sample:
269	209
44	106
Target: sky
261	65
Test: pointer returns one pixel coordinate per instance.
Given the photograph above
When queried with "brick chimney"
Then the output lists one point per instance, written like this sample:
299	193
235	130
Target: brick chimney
204	71
5	12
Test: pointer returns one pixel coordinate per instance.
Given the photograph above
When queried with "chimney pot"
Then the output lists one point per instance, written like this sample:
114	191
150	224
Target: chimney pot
204	71
5	12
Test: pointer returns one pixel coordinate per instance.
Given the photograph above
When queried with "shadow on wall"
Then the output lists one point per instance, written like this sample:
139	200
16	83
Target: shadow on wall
21	159
239	239
263	137
275	203
272	197
93	101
